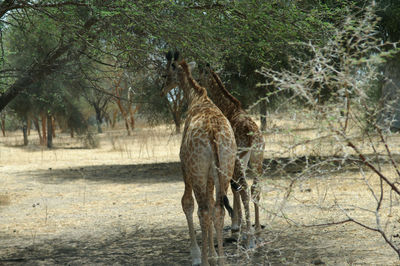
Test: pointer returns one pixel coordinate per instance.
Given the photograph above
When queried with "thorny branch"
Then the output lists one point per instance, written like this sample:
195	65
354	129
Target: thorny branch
372	167
346	67
388	151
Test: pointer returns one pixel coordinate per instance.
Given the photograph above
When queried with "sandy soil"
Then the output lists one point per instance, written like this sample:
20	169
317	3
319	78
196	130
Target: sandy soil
119	204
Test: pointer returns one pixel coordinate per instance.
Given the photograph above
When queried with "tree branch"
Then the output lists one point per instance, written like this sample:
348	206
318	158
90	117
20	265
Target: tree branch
364	160
9	5
41	69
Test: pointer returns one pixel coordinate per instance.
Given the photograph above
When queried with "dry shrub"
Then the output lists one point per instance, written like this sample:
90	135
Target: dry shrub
90	140
333	89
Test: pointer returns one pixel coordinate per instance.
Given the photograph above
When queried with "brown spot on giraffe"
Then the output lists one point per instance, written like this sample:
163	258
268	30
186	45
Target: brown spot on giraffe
250	144
208	153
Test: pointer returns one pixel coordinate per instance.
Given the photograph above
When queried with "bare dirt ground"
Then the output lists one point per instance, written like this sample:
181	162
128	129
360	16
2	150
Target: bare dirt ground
119	204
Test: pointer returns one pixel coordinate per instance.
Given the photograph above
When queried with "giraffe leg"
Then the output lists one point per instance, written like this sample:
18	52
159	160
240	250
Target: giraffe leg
245	196
237	209
211	247
256	161
218	220
255	195
237	212
188	208
219	224
205	223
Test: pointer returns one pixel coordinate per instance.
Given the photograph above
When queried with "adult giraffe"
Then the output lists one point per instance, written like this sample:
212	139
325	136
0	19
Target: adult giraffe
208	153
250	144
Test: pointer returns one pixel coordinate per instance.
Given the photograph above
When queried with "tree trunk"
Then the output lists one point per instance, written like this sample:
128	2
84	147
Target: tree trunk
127	126
49	132
176	116
44	137
25	133
99	130
53	126
36	123
131	120
41	69
178	127
263	113
3	126
132	115
390	114
107	119
72	133
124	115
177	121
114	120
28	124
98	119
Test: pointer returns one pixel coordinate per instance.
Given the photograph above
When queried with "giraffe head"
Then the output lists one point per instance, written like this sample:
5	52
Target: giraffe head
174	74
205	77
218	93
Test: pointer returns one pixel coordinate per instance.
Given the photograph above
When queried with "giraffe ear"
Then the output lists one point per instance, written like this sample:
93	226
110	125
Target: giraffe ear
176	55
191	66
168	55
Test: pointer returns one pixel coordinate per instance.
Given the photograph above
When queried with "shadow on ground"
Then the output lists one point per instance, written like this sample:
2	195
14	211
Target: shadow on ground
276	167
123	174
168	246
171	171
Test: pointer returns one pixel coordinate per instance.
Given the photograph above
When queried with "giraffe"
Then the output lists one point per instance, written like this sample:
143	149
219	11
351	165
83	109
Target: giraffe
250	144
208	151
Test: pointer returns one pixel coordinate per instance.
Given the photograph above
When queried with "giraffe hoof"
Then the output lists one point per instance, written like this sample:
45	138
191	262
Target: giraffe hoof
227	228
252	244
230	240
235	236
261	226
249	241
196	262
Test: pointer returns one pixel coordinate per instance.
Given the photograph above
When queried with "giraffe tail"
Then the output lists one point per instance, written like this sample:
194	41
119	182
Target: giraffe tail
223	199
228	206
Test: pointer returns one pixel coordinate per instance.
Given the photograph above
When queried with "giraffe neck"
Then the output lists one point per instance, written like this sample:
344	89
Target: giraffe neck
192	91
225	101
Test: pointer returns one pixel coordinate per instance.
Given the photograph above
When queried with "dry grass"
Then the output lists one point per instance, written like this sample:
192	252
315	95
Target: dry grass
4	199
145	145
120	203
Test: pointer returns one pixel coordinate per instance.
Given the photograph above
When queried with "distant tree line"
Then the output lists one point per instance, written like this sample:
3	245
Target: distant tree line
65	61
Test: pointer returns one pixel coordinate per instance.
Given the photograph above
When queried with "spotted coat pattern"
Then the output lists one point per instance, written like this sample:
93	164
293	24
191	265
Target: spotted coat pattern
250	144
208	151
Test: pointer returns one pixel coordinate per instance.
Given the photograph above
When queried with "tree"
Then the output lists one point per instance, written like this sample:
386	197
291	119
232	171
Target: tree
237	37
240	37
93	91
40	67
389	27
342	122
47	97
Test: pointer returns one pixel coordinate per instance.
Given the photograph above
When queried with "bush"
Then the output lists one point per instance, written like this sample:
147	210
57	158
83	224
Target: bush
90	140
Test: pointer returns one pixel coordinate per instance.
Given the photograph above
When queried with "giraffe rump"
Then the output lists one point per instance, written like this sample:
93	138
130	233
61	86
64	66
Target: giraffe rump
223	200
